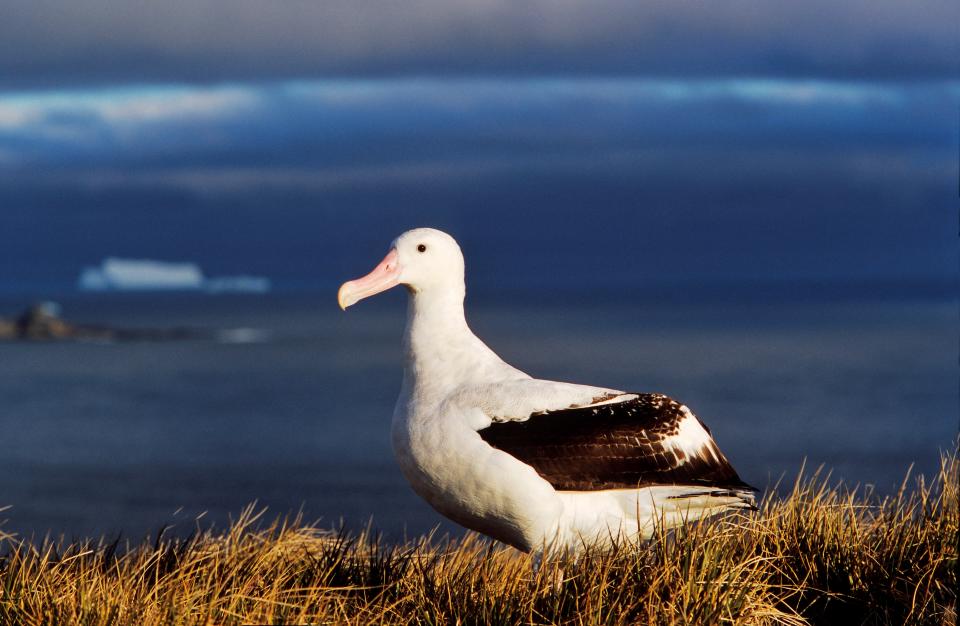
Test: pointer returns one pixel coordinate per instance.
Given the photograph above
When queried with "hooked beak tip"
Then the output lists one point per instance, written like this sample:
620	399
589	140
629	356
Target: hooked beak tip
341	299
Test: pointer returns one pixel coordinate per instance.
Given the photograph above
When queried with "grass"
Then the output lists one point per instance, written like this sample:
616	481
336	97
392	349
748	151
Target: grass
820	555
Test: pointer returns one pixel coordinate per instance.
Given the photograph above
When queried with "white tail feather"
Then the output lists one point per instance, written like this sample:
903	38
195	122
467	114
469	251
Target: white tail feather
675	505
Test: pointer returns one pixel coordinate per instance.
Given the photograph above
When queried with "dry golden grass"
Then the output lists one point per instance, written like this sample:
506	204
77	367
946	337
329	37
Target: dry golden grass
821	555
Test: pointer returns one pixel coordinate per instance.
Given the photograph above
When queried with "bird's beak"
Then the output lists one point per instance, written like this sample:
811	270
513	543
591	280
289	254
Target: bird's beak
383	277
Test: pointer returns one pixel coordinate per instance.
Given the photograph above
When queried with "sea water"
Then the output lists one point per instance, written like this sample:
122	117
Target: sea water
289	404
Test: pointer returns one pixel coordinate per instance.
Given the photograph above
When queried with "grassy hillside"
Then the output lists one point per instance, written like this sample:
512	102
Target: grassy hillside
822	555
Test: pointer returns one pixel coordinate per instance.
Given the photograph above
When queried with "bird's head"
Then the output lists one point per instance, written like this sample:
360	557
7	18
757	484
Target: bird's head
422	259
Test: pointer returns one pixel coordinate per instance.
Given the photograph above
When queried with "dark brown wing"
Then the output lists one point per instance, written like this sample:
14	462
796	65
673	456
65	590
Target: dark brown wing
647	440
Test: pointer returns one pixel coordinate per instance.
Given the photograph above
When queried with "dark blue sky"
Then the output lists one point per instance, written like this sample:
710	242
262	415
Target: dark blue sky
562	146
57	42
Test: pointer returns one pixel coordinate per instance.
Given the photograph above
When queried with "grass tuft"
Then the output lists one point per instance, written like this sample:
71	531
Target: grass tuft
821	555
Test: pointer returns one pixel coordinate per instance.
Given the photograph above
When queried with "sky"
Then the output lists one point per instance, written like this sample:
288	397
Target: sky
565	144
48	43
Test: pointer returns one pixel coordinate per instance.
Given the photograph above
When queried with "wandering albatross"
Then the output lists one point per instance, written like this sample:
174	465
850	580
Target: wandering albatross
537	464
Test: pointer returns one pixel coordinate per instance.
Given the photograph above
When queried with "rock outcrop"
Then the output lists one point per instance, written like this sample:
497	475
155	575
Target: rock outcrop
42	322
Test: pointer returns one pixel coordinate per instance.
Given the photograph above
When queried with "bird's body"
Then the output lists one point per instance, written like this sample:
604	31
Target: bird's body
536	464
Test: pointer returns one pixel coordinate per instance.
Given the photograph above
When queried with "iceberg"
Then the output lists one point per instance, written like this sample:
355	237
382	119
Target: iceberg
140	274
114	274
244	284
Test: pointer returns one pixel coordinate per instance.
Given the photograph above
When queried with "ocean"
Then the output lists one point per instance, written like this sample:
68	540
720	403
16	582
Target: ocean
291	408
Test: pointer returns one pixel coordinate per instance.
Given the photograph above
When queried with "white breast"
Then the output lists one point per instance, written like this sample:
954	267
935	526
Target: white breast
463	478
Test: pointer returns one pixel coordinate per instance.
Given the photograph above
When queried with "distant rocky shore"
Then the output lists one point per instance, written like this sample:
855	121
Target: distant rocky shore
42	322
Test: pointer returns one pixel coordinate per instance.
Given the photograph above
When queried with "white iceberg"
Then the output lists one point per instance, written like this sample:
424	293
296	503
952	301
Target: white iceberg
245	284
115	274
140	274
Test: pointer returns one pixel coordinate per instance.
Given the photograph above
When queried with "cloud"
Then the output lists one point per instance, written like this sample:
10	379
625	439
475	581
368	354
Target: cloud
331	131
125	105
57	42
644	178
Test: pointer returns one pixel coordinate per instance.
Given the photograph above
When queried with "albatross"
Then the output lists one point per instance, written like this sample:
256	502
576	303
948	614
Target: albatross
537	464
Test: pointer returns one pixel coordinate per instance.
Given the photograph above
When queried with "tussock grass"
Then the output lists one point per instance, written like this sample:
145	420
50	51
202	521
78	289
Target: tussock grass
821	555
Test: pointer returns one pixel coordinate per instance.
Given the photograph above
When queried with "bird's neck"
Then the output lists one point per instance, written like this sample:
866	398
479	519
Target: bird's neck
440	350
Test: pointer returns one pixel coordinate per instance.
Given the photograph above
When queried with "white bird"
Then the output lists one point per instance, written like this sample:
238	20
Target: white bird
537	464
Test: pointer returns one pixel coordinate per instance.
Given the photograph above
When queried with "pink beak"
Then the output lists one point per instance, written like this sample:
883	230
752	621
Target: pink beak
383	277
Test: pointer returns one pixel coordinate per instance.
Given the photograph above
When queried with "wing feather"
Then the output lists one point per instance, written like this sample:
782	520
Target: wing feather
640	440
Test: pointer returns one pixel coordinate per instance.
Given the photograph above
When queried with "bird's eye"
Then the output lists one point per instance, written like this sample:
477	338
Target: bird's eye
421	248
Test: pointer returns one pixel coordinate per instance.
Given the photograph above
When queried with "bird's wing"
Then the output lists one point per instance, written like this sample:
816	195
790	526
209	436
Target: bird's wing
615	441
517	399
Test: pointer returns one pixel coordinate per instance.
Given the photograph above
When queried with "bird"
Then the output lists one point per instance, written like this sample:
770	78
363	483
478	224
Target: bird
537	464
